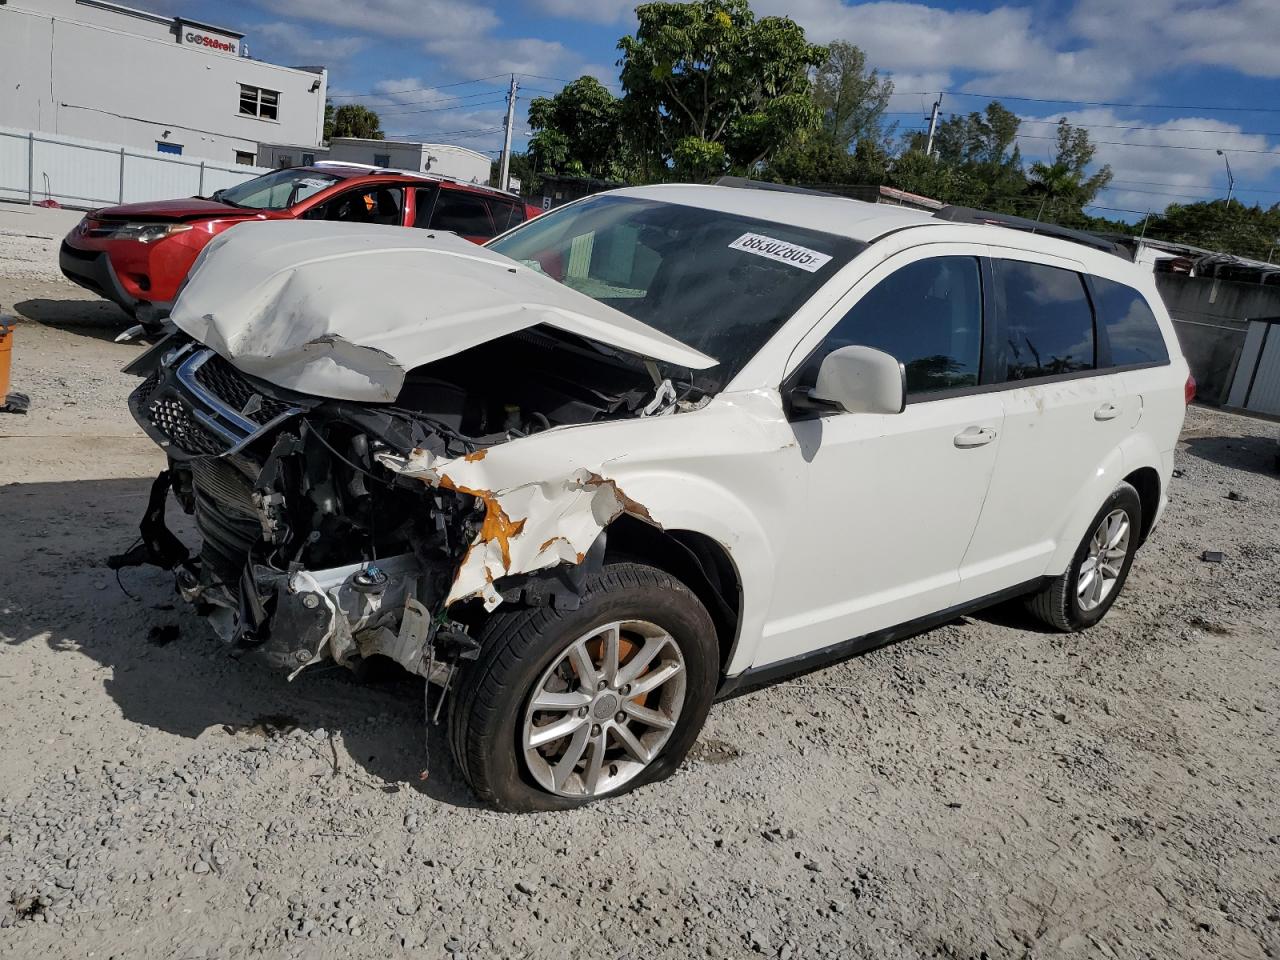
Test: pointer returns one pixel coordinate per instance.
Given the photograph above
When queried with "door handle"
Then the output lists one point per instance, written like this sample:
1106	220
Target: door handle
974	437
1108	411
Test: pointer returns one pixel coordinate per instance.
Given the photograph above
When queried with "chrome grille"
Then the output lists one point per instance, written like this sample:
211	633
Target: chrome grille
231	387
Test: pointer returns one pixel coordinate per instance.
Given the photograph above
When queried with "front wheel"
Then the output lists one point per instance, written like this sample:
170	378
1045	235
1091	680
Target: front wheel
564	707
1082	595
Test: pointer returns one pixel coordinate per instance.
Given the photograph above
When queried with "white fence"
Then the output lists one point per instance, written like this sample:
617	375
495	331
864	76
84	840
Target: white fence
87	173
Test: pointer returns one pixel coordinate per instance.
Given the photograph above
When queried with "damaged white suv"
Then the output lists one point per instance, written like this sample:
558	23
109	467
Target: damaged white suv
647	449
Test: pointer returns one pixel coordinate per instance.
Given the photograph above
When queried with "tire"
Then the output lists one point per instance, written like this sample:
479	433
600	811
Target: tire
1059	604
524	650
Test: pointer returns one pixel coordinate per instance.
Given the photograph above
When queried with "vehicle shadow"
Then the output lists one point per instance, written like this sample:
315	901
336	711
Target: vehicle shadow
94	318
1257	454
166	668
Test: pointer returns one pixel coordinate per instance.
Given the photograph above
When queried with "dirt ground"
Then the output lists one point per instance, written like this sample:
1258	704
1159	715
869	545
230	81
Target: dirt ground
986	789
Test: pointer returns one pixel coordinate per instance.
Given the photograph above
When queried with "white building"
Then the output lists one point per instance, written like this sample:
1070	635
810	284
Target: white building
443	159
102	71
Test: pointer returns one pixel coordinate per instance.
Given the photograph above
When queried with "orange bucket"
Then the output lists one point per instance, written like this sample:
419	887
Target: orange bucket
7	325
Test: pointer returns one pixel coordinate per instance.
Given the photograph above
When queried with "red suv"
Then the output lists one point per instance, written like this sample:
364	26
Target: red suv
138	254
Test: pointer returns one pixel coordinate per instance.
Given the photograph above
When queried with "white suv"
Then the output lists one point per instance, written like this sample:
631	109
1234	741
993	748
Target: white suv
647	449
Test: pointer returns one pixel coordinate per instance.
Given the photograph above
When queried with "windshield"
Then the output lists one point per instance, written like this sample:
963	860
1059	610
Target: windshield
719	282
276	190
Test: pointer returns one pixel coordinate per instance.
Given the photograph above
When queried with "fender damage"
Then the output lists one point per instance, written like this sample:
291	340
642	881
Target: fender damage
359	487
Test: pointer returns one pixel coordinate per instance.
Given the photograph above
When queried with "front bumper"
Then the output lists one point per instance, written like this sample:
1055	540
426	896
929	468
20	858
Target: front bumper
92	269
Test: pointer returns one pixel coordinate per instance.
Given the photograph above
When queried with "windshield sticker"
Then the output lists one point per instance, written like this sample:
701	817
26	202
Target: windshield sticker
788	253
312	182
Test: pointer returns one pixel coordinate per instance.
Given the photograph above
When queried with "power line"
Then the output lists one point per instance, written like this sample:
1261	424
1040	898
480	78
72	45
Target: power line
1102	103
1155	146
460	106
434	86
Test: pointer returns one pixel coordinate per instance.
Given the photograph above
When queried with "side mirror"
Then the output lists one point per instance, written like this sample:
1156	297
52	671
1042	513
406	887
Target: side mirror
860	380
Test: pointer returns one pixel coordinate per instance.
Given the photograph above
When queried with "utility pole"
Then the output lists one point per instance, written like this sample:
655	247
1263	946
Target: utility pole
933	125
504	168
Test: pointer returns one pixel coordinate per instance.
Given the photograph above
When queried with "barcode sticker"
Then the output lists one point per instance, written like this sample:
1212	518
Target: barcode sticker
789	253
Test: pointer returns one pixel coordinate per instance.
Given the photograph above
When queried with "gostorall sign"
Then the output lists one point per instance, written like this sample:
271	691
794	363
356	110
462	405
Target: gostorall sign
211	43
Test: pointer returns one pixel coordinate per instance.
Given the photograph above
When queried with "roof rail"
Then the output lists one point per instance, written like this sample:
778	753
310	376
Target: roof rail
420	174
742	183
1009	221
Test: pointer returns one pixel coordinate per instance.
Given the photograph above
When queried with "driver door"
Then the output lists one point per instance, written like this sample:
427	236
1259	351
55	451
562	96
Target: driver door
891	501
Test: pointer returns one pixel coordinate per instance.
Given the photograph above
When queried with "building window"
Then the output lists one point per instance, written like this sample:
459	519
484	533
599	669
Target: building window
256	102
246	157
165	147
382	159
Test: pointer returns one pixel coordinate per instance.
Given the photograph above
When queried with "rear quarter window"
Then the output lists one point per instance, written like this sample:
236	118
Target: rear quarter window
1132	330
1046	321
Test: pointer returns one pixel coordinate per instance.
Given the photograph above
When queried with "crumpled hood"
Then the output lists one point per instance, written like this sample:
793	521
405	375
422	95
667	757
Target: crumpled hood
344	311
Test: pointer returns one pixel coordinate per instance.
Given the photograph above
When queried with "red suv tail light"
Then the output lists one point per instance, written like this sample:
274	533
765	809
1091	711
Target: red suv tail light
1189	389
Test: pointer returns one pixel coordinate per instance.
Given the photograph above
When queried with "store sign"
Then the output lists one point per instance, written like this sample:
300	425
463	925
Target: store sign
209	41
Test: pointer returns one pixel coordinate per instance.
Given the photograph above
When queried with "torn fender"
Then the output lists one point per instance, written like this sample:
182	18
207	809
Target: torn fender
527	527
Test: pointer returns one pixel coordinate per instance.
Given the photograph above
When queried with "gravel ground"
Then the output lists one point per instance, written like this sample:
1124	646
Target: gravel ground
982	790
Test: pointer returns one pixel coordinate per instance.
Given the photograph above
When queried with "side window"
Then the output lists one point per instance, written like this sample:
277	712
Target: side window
1132	330
1046	322
423	198
927	314
504	215
371	205
462	213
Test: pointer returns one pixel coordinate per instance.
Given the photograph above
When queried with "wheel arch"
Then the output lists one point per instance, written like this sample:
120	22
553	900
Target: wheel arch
1146	480
697	560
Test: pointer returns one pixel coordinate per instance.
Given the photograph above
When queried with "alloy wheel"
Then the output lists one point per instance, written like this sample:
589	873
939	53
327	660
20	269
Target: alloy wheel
604	709
1100	570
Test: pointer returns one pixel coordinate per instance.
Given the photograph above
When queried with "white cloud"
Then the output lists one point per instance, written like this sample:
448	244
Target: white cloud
1150	166
915	36
288	41
413	19
1237	34
499	54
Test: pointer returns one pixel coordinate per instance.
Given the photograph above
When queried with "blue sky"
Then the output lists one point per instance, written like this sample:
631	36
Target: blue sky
420	63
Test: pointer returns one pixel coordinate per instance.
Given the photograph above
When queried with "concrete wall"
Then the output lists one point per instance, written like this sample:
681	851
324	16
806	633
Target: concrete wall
85	71
1211	317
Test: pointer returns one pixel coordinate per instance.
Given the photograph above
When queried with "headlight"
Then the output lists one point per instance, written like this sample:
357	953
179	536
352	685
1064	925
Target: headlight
147	232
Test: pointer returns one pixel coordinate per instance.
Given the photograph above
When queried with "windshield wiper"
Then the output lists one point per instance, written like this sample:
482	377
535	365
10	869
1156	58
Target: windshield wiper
220	197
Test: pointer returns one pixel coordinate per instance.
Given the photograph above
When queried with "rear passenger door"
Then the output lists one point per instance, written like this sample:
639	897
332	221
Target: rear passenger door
1065	412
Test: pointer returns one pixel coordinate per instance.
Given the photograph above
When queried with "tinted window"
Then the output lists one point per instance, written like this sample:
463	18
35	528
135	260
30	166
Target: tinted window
463	214
1131	327
1046	323
371	205
423	198
928	315
505	215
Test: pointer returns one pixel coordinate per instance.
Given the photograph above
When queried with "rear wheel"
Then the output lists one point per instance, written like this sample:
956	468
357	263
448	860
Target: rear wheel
1082	595
566	707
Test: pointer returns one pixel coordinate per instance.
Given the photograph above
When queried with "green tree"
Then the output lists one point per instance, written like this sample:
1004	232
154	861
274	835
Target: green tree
718	87
976	162
328	121
850	143
1064	184
354	120
578	130
1247	231
851	98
